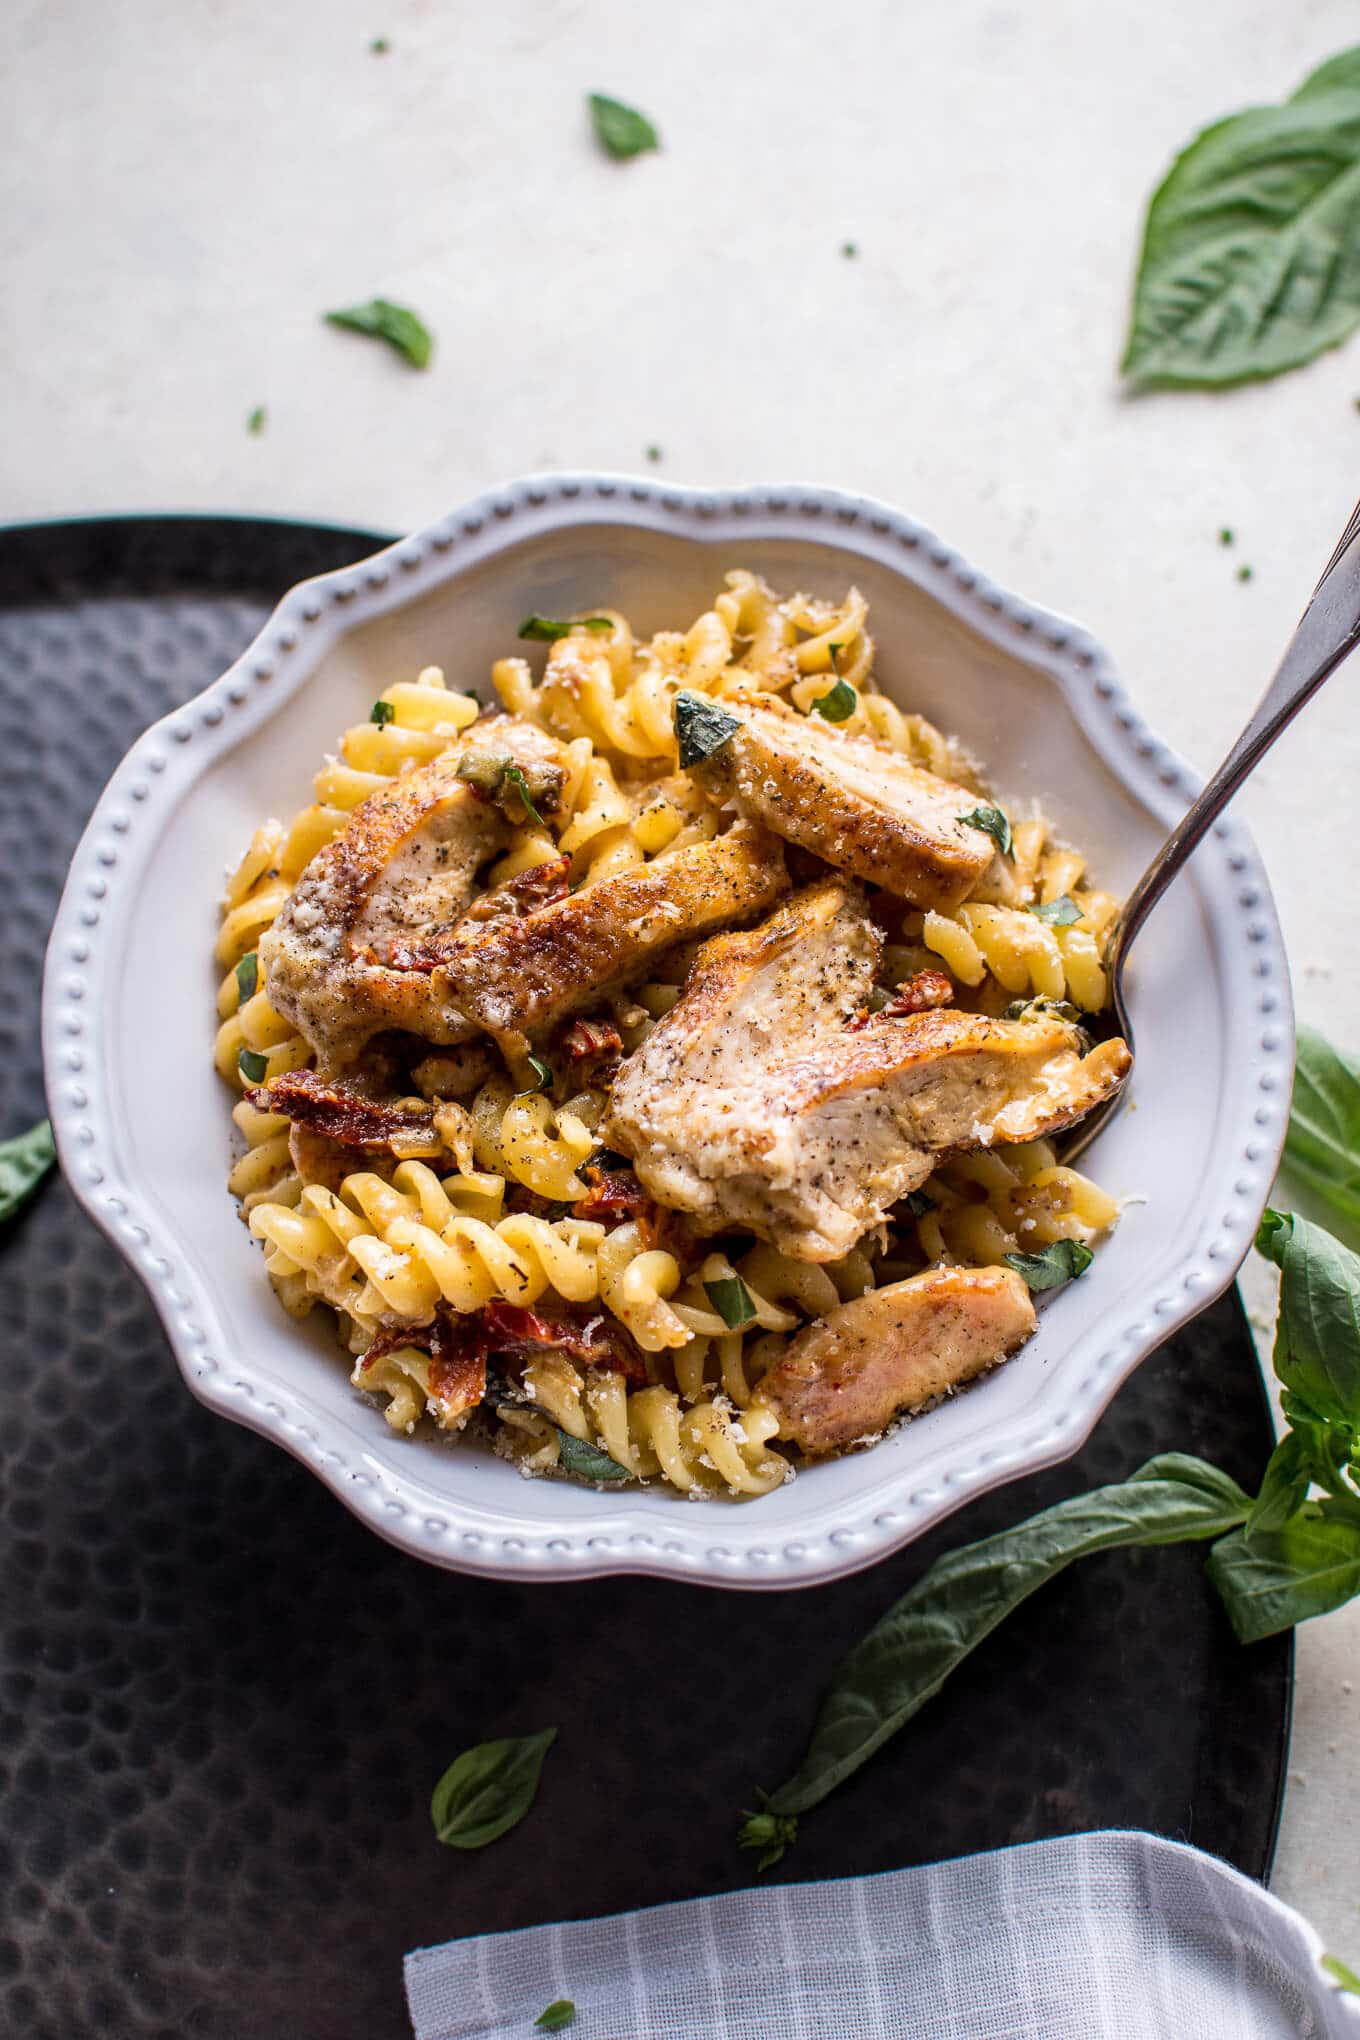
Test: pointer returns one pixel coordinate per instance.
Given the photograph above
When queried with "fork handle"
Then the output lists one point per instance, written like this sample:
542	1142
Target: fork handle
1328	629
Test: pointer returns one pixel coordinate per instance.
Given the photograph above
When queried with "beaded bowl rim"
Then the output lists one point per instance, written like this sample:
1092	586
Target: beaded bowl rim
715	1544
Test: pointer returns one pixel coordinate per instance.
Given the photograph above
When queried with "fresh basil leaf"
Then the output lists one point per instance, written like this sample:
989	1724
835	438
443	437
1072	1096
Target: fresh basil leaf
1284	1487
543	1076
701	727
918	1203
1246	268
248	976
554	2017
586	1461
1317	1332
907	1656
608	1160
732	1300
1342	1975
1039	1009
253	1066
994	824
1339	74
1060	913
514	776
382	712
546	630
1061	1261
1307	1568
1322	1152
621	130
24	1161
770	1833
488	1790
257	420
398	325
839	705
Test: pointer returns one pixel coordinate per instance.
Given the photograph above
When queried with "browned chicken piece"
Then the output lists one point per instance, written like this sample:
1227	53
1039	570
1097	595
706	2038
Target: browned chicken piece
337	961
860	806
753	1104
516	976
841	1381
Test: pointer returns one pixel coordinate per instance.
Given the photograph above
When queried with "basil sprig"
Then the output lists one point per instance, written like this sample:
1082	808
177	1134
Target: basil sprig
907	1656
398	325
488	1790
994	824
1060	913
701	727
546	630
1060	1261
621	130
1247	266
24	1161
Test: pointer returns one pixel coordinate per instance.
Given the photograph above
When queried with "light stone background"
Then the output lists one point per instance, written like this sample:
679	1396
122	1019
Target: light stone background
188	185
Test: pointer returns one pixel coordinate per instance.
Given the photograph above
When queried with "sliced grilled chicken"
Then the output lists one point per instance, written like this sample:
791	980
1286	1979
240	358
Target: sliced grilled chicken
843	1380
518	976
808	1137
337	960
857	804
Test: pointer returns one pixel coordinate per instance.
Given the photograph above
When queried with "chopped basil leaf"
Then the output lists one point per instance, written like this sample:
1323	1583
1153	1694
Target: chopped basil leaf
253	1066
994	824
483	769
701	727
621	130
24	1161
918	1203
514	776
1060	913
488	1790
382	712
587	1462
396	324
1055	1264
542	1071
255	423
653	453
1225	536
849	249
732	1300
1040	1009
555	2016
546	630
609	1160
248	975
379	46
839	704
1244	572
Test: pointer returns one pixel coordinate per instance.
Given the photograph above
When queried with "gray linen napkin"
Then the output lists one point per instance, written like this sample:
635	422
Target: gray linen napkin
1094	1937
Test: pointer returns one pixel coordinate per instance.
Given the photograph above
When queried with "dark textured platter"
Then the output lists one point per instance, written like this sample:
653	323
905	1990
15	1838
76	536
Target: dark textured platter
223	1703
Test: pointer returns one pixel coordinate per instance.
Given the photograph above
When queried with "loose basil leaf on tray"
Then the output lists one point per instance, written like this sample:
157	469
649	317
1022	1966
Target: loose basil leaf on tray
907	1656
1060	913
839	704
994	824
488	1790
701	727
1061	1261
1317	1333
556	2016
1322	1151
1247	266
24	1161
546	630
1307	1568
732	1300
398	325
586	1461
248	976
621	130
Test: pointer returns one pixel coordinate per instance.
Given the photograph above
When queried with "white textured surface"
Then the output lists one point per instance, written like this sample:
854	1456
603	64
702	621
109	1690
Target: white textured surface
188	187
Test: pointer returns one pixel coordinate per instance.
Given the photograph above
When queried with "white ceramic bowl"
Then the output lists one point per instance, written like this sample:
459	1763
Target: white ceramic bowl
142	1121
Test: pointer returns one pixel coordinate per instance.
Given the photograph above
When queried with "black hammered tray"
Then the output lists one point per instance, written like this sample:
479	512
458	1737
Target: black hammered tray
223	1703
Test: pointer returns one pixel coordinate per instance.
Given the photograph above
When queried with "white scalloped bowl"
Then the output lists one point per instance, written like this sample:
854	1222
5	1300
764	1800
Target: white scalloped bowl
142	1121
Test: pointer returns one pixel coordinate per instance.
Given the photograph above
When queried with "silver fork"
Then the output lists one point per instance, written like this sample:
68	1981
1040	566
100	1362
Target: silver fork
1328	629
